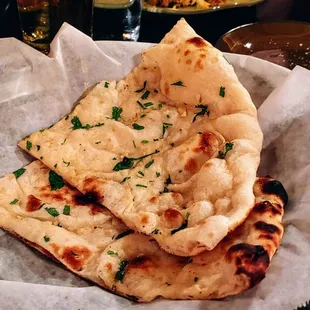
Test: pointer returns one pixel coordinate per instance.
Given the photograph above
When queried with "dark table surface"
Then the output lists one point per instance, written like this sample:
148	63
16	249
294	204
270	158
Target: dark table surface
211	26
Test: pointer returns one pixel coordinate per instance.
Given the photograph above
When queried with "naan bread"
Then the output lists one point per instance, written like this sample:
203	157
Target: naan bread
92	243
173	148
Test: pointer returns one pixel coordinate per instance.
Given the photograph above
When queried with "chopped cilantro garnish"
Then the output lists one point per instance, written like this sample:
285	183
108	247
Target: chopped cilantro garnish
203	110
141	105
78	125
157	174
155	231
46	239
116	113
124	233
178	83
228	147
137	126
41	130
148	104
141	185
222	91
125	179
149	164
99	125
28	145
121	271
66	210
52	211
67	163
144	141
55	166
183	226
14	202
165	126
160	106
56	181
141	173
114	158
143	115
112	253
38	148
106	84
145	95
141	89
128	163
19	172
168	180
168	116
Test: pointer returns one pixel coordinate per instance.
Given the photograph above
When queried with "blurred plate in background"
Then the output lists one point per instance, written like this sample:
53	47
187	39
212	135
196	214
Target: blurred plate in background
194	6
283	43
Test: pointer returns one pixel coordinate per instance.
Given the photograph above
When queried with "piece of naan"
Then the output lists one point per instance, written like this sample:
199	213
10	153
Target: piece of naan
173	148
91	242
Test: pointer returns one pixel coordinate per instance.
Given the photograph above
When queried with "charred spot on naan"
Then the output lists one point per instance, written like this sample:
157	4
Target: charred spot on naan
250	260
33	203
197	41
140	263
191	166
266	206
208	143
272	187
172	218
74	257
63	195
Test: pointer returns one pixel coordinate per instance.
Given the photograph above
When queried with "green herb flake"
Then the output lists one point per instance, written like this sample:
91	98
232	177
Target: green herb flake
116	113
125	179
141	105
222	91
148	104
178	83
19	172
128	163
112	253
46	239
99	125
143	115
141	173
28	145
195	279
55	166
165	127
155	232
149	164
183	226
160	106
56	181
14	202
76	123
67	163
228	147
203	110
98	142
41	130
123	234
52	211
137	126
106	84
66	210
157	174
144	141
38	147
145	95
168	116
141	89
114	158
141	185
121	271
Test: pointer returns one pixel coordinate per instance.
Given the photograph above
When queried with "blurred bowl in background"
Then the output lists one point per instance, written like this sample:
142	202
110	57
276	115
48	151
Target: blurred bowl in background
283	43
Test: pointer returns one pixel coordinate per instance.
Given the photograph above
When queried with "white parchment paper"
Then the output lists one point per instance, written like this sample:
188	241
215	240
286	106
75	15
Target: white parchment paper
36	91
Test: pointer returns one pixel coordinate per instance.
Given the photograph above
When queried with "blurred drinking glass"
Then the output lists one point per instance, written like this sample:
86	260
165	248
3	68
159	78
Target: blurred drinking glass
117	19
41	19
